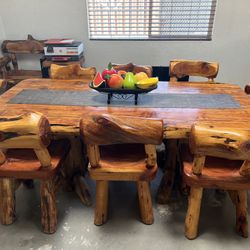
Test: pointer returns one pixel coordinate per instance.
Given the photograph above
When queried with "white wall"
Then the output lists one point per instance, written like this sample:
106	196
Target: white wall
52	18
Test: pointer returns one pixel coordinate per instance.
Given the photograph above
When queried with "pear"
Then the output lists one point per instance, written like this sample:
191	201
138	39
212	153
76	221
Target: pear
129	81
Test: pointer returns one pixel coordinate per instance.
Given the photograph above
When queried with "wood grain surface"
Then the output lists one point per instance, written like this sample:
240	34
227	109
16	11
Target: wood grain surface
177	122
107	129
30	45
182	68
72	71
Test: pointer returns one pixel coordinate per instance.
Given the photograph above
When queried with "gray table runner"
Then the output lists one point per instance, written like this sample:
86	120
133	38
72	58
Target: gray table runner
150	100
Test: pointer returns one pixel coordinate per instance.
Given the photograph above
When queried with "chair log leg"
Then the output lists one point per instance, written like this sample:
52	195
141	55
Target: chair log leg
48	207
7	201
241	213
167	181
239	199
145	202
193	213
101	207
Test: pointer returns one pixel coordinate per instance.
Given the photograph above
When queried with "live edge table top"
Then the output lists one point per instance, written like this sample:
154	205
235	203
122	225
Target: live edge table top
178	121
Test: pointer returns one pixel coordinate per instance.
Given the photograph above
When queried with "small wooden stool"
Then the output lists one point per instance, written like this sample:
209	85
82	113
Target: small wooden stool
220	160
122	149
25	139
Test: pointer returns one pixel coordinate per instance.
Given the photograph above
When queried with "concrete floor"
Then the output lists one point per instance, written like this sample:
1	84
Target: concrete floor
123	229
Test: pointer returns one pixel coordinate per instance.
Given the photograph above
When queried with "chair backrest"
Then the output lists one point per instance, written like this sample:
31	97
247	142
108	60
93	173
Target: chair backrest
220	141
130	67
181	68
107	129
31	130
247	89
72	71
162	72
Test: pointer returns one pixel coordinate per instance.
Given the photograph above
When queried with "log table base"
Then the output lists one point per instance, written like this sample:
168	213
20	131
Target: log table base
75	166
167	181
64	120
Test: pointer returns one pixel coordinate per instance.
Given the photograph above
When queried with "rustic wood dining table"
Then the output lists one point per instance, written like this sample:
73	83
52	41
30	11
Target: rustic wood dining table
64	120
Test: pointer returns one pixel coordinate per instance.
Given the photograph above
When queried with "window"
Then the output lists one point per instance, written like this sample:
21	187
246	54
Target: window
151	19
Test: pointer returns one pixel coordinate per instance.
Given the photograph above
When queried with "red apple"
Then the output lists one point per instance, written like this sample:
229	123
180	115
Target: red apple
106	73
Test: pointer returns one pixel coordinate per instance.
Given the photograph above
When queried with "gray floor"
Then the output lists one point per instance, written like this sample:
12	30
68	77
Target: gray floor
123	229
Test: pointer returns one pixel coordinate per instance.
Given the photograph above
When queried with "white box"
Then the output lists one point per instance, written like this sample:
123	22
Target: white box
74	49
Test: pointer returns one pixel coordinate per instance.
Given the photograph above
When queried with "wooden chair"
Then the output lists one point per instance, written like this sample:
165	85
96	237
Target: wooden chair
162	72
73	71
179	69
182	68
130	67
24	156
220	160
122	149
8	64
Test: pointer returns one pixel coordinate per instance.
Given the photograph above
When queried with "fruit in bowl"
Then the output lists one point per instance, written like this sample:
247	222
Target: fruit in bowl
98	81
147	83
129	81
122	73
140	76
106	73
115	81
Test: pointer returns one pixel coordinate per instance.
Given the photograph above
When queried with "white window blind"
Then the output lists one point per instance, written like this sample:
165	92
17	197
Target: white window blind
151	19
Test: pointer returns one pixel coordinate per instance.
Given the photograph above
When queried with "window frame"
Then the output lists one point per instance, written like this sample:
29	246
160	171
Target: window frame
161	38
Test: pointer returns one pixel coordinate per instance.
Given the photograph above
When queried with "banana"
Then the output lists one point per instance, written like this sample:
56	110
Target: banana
147	83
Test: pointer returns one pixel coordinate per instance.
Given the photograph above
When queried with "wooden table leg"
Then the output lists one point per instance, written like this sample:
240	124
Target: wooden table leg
167	181
82	190
74	168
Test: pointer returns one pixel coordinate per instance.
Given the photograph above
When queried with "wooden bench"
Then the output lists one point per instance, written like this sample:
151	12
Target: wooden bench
9	69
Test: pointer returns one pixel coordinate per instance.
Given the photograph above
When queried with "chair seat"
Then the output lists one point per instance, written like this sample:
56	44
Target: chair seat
123	162
23	163
216	173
